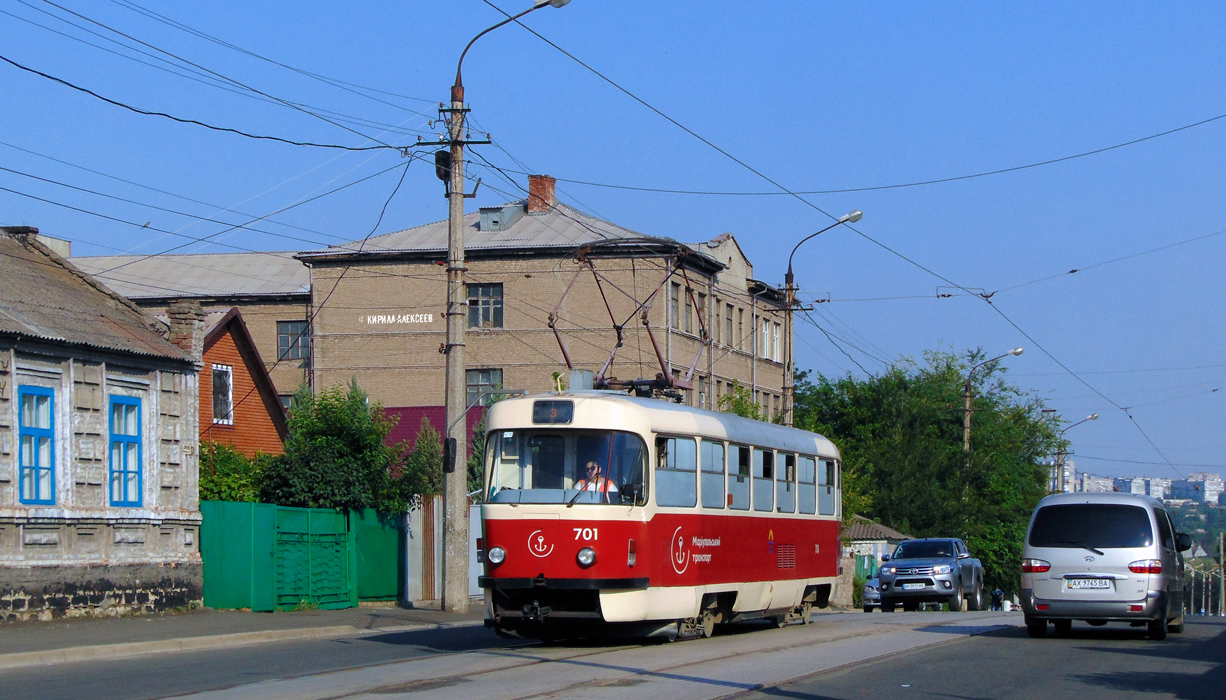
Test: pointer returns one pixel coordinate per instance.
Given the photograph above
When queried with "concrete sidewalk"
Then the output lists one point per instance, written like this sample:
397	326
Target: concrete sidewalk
82	639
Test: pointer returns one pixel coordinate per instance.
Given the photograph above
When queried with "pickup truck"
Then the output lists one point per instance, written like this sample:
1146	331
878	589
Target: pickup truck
936	570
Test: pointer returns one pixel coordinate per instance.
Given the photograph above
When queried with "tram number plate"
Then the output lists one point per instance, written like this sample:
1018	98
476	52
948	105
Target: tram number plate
1089	583
912	586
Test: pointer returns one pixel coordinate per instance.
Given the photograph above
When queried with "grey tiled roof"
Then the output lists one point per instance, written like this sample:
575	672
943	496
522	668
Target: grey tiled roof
561	227
42	296
861	528
202	275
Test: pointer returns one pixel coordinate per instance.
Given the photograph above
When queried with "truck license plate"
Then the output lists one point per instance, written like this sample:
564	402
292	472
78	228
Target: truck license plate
1089	583
912	586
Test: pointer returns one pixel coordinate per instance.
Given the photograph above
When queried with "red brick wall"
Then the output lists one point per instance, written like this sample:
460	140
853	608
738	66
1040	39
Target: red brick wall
253	430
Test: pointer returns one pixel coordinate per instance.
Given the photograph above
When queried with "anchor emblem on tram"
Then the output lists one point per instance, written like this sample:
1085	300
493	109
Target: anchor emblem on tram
679	554
538	546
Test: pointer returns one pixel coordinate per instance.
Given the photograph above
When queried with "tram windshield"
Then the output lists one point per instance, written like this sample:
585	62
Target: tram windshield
565	467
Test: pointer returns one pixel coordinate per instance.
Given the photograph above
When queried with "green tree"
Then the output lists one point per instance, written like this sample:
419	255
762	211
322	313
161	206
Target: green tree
740	401
336	455
423	470
476	460
226	475
900	433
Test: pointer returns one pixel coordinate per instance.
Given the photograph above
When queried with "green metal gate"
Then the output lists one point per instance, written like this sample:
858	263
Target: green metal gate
267	557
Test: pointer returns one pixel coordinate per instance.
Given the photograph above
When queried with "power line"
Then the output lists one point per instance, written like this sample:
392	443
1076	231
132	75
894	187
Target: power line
1160	464
183	120
340	84
210	72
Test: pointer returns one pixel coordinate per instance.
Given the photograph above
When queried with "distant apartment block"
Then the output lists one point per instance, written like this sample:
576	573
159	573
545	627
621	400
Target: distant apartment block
1129	484
1202	487
1096	484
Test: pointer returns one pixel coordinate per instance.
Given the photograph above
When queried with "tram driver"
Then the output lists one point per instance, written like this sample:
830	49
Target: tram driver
594	481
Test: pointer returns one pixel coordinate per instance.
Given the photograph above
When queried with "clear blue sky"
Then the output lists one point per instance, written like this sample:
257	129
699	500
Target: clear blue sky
816	96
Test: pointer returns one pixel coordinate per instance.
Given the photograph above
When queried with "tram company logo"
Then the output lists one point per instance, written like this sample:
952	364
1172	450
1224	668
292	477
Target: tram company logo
770	542
538	546
679	553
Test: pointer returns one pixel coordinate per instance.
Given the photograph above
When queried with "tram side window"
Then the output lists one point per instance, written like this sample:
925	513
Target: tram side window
763	480
785	485
826	483
713	475
807	487
676	472
738	477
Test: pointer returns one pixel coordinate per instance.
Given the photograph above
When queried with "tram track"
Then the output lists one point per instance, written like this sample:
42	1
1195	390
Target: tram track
727	665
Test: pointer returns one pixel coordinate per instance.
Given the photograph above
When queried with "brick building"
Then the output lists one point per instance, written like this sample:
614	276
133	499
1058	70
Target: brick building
99	506
376	306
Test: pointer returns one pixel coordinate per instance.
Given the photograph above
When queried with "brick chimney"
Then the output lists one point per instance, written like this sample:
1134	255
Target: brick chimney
541	197
187	327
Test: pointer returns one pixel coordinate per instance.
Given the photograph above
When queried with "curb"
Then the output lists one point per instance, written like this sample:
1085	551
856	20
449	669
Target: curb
104	652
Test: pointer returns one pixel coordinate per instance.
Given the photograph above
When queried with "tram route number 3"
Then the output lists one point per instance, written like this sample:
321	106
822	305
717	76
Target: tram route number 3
587	534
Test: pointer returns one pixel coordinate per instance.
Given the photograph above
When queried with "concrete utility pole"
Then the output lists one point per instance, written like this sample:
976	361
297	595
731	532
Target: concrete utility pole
1221	579
450	167
966	418
789	282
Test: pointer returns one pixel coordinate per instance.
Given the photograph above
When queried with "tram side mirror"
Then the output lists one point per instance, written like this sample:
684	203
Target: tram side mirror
1183	541
449	450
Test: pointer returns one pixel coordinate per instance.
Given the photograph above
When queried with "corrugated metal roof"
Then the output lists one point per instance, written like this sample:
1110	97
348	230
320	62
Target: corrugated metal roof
200	275
42	296
560	227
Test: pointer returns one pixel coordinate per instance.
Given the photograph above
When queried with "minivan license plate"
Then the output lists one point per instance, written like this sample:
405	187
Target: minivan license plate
1089	583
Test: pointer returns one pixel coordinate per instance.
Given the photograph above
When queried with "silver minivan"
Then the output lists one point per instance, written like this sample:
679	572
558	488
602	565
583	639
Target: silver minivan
1103	557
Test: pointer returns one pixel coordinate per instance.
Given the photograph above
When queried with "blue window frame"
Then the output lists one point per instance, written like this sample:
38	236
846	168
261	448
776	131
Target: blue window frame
36	435
126	473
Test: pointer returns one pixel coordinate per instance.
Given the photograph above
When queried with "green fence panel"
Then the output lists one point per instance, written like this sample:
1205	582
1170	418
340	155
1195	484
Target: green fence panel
266	557
381	553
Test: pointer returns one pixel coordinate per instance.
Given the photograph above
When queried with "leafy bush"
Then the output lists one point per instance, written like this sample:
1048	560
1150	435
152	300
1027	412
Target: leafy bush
227	475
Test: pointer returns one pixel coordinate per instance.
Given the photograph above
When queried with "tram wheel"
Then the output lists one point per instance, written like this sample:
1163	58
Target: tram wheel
806	612
707	623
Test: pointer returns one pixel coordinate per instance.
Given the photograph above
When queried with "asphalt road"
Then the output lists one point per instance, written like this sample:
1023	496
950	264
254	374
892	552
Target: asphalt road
918	655
1114	661
172	674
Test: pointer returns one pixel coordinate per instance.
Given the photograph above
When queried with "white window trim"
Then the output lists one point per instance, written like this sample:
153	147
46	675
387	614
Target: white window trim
229	399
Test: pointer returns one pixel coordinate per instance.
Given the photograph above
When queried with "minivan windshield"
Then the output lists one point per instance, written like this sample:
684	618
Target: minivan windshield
1091	525
565	466
924	550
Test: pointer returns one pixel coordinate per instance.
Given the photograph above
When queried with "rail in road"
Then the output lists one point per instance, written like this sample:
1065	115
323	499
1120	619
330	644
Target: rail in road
743	659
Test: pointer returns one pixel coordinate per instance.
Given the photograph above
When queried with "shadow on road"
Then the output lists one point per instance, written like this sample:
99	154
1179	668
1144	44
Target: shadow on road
1180	649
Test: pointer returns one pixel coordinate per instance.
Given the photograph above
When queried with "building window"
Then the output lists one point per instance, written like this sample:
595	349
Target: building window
715	320
702	393
689	312
293	340
287	401
740	329
777	352
125	451
674	309
729	339
482	380
36	433
764	348
223	394
485	305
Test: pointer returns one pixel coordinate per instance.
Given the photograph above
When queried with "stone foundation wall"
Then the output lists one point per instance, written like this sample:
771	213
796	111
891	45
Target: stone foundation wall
50	592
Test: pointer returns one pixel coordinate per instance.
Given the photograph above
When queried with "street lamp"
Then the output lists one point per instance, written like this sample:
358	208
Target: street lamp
1060	451
789	283
455	485
966	419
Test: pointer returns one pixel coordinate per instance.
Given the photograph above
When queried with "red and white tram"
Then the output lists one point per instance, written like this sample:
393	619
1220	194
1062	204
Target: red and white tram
605	514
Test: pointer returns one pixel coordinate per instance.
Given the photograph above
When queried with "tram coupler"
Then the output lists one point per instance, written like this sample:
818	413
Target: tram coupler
535	611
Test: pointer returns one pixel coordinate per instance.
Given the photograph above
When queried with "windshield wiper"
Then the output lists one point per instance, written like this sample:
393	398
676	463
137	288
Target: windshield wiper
1083	545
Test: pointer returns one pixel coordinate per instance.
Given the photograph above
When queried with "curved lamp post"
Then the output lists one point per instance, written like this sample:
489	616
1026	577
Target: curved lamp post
966	419
450	166
1060	453
790	288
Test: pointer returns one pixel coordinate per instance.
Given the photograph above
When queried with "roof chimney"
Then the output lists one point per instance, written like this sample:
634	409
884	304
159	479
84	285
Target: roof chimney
187	327
541	197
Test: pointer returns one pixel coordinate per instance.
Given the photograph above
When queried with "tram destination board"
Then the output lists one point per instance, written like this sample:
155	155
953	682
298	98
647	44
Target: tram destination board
553	412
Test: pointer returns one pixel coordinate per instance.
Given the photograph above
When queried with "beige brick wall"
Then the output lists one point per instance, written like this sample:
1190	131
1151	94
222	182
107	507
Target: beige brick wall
383	324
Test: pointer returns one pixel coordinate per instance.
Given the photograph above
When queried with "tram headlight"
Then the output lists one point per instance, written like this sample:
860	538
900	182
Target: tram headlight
586	557
496	555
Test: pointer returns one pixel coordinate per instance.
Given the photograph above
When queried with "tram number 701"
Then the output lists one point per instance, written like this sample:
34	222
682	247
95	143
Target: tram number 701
587	534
